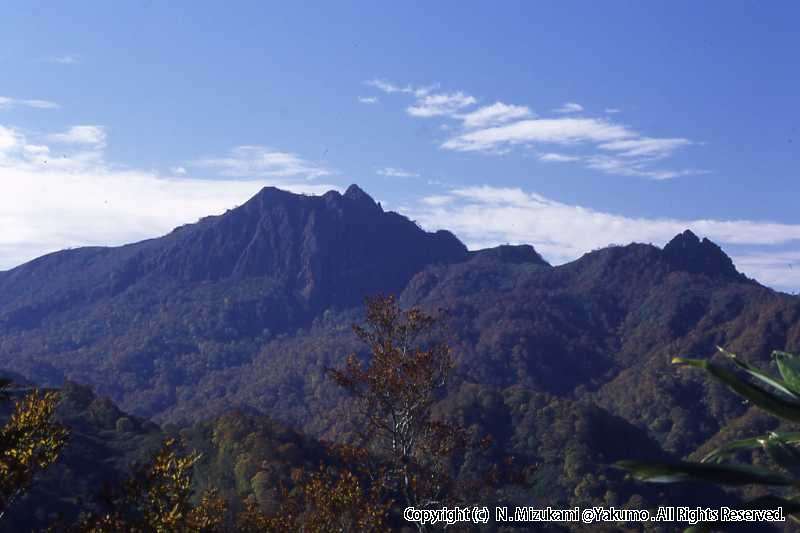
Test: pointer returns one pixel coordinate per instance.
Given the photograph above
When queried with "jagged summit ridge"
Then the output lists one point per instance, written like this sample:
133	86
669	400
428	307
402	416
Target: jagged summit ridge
355	194
297	239
688	253
325	250
322	250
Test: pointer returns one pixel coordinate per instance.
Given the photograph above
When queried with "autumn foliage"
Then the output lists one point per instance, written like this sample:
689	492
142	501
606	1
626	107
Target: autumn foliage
29	442
327	500
409	452
157	498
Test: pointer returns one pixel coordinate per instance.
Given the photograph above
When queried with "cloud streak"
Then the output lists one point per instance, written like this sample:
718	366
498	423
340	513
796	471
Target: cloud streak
66	59
557	158
645	146
396	172
7	103
427	103
443	104
612	148
539	130
260	161
497	113
569	107
88	135
389	88
598	143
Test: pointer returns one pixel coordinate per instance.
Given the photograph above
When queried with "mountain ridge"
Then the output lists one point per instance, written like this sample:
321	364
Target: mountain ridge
236	239
321	250
150	326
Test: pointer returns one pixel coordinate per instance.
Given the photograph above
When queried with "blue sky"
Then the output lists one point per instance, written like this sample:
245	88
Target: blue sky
567	125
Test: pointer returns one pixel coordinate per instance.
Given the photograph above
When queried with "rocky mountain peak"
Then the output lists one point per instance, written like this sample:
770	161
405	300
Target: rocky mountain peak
355	194
688	253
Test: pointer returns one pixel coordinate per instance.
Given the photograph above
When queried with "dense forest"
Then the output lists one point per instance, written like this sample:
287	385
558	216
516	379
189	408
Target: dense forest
226	351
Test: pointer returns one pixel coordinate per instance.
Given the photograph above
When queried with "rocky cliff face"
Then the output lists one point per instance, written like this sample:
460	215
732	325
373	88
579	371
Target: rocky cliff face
331	249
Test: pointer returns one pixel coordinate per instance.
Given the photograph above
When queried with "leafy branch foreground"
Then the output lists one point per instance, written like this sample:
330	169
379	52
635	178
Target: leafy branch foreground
778	396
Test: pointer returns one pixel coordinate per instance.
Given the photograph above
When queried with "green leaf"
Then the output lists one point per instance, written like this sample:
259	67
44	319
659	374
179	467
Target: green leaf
788	457
747	444
789	367
759	374
729	474
777	405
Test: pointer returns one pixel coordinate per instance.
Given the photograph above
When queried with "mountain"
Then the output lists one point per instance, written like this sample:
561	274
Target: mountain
315	251
566	367
604	328
250	307
688	253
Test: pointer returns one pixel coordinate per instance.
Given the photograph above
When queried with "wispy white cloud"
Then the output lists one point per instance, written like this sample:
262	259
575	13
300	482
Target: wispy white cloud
260	161
635	154
440	104
427	103
487	216
598	142
636	167
7	102
645	146
437	200
396	172
497	113
67	196
368	99
539	130
557	158
612	110
389	88
66	59
569	107
88	134
40	104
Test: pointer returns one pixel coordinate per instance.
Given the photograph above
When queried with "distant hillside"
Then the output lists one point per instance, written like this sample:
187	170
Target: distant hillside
104	442
561	449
